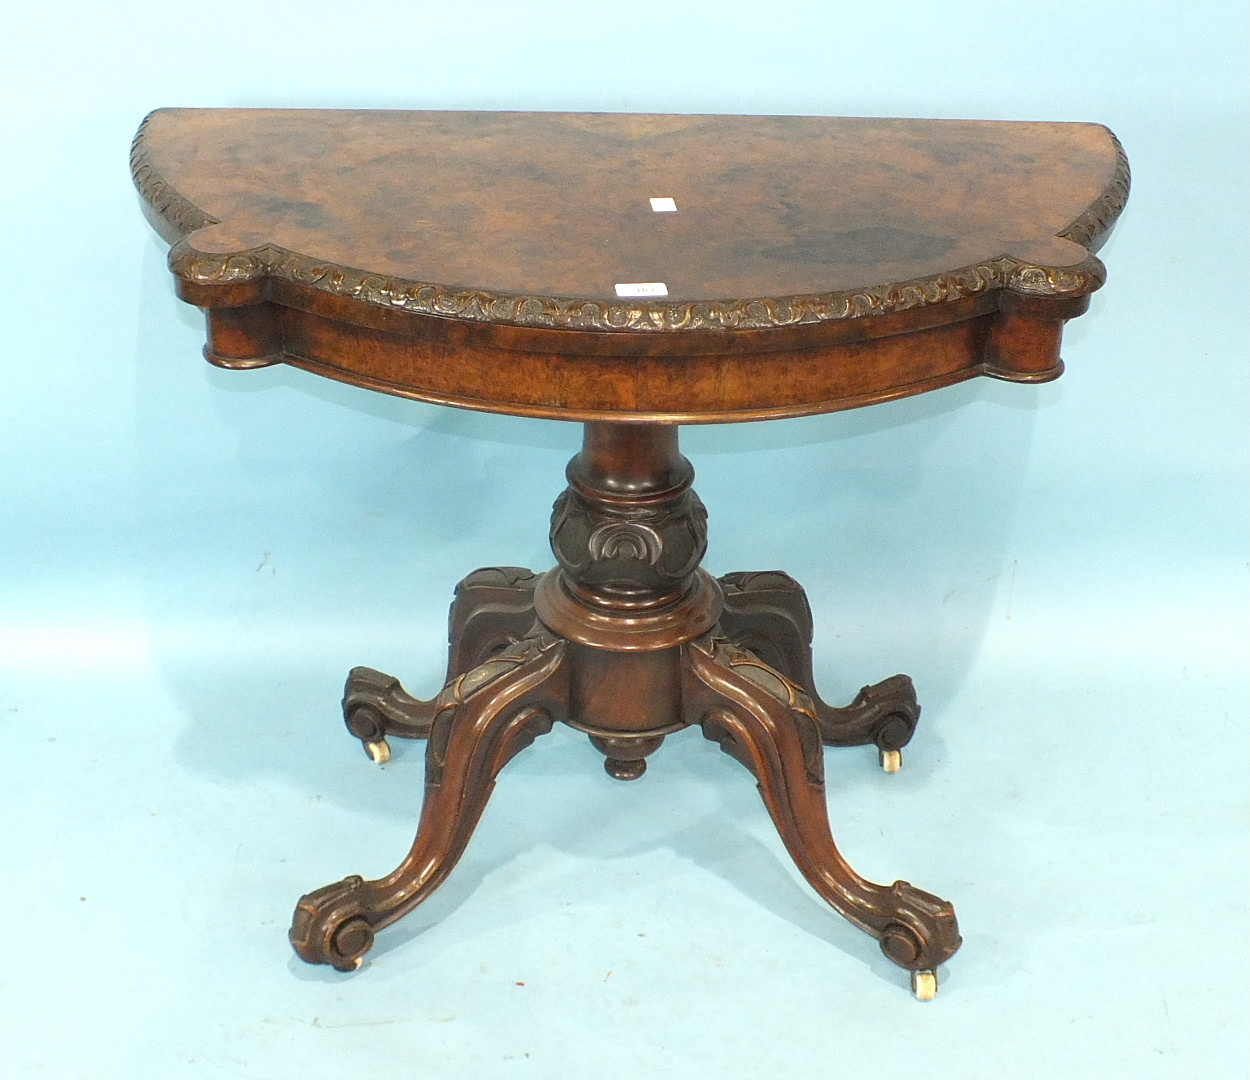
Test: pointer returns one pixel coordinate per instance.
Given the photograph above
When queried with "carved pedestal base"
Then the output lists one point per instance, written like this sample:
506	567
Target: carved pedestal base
628	642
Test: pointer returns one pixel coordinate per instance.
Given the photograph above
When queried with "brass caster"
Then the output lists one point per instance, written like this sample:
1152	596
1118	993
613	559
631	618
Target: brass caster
891	760
924	984
379	751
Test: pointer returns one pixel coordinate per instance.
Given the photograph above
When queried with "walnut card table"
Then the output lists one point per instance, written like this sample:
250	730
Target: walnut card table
633	273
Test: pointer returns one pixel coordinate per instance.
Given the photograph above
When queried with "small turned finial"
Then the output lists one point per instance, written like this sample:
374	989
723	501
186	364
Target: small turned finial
624	769
626	756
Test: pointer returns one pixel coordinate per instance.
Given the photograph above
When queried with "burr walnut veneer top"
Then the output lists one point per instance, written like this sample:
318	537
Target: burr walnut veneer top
479	259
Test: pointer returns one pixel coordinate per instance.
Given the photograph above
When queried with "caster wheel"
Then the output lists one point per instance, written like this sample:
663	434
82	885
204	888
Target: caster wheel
379	751
924	985
891	760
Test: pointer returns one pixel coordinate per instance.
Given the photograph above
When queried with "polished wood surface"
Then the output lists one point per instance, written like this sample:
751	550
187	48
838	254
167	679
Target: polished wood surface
812	263
628	641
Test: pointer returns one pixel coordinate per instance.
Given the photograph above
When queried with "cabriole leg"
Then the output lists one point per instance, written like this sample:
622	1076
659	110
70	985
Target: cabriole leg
493	608
767	613
767	722
480	721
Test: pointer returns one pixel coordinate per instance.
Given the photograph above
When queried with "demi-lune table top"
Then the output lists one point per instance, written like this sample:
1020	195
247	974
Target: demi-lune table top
618	266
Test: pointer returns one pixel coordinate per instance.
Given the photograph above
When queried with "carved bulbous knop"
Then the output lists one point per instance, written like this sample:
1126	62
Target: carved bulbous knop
629	550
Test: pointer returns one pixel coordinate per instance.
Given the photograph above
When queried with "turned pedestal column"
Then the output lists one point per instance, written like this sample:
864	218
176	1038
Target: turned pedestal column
628	640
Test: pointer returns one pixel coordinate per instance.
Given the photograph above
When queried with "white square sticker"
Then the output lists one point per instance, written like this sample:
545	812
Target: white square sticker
664	206
642	288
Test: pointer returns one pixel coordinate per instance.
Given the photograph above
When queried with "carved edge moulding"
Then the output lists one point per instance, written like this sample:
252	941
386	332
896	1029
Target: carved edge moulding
1029	290
255	266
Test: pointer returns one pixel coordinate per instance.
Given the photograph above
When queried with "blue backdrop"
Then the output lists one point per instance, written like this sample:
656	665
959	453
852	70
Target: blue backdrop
192	559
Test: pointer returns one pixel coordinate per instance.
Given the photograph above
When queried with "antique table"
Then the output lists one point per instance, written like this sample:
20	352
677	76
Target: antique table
634	273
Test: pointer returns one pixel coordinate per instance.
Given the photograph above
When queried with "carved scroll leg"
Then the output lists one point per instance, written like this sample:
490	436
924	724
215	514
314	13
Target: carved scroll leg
765	721
375	705
482	719
767	613
493	609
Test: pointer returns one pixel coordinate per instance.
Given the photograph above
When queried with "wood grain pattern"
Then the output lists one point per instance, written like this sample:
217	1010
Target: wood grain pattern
471	258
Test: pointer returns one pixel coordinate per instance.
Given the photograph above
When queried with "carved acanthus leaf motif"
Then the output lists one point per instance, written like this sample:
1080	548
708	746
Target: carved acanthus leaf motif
183	215
476	305
1102	215
202	268
459	690
725	726
750	667
1057	281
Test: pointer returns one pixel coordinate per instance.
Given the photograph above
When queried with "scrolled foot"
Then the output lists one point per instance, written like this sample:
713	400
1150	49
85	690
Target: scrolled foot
330	926
884	713
376	705
920	931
